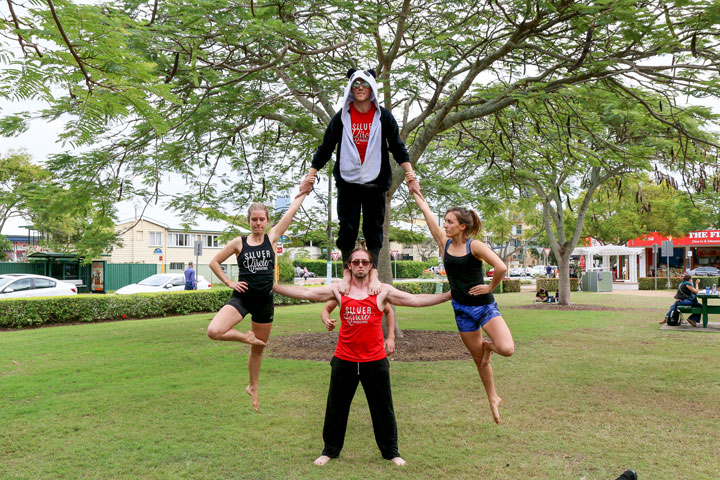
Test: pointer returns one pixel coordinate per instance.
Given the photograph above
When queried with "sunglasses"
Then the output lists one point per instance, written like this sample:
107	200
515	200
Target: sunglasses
360	83
364	263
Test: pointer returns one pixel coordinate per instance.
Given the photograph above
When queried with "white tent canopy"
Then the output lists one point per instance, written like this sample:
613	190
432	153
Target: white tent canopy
636	257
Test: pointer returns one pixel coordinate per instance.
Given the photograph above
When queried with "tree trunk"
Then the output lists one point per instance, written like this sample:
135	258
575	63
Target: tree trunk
563	291
384	266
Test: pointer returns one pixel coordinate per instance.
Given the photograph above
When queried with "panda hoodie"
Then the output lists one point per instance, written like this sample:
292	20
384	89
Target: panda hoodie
375	171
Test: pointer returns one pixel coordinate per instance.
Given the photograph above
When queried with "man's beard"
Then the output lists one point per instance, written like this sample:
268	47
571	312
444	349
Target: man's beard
360	274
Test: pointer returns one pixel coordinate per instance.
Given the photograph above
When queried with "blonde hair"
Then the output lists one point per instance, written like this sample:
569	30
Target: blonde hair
258	206
467	217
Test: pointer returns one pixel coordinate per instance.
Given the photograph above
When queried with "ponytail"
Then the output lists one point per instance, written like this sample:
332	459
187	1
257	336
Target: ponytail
467	217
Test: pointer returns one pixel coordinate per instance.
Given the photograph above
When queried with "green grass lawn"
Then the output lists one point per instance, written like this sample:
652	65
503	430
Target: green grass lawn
586	395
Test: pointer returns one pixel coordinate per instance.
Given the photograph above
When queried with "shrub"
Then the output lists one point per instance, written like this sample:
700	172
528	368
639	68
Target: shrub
28	312
409	268
421	287
510	285
551	284
318	267
286	268
648	283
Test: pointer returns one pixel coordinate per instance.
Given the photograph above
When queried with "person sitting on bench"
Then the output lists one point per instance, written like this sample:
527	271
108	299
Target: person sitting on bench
686	296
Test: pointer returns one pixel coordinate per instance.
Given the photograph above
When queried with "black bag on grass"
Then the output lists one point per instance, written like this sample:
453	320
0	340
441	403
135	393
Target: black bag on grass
675	319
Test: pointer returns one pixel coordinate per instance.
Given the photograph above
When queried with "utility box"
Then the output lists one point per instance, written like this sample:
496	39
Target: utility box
597	282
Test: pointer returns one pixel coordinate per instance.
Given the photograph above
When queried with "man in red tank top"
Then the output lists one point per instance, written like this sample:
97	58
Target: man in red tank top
360	354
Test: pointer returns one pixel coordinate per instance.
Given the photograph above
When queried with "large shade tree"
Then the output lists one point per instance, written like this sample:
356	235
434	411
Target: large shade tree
233	96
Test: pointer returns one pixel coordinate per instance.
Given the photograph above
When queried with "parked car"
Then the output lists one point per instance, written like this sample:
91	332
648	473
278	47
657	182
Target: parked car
162	282
21	285
705	272
517	272
538	270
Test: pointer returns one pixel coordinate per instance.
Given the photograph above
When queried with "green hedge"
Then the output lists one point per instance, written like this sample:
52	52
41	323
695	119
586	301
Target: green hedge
405	268
28	312
509	285
648	283
420	287
551	284
286	270
318	267
429	287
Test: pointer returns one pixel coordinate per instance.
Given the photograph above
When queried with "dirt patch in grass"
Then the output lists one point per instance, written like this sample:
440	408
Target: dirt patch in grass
413	346
574	306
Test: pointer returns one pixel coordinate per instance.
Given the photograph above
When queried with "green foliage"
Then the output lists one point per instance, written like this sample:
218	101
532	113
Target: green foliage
626	209
551	284
421	287
318	267
6	246
409	268
33	312
648	283
510	285
407	237
285	267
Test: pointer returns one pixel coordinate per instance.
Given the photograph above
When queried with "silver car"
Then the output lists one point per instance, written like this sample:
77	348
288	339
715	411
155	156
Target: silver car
21	285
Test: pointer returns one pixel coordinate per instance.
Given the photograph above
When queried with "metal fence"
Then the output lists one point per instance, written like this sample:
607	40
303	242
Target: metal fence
118	275
14	267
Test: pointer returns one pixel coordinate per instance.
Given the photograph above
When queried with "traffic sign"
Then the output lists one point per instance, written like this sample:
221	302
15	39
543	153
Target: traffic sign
279	249
539	250
335	255
547	251
394	253
667	248
284	239
198	248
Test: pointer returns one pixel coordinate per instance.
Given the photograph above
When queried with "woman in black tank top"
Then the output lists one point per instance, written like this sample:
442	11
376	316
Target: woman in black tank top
473	302
252	291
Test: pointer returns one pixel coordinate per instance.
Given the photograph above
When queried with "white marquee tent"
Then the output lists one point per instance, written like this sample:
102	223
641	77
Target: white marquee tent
636	258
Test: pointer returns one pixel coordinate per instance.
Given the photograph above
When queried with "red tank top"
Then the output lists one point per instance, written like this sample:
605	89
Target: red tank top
361	337
361	123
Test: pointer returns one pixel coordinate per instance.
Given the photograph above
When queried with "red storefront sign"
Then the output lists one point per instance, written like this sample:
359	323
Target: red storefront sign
693	239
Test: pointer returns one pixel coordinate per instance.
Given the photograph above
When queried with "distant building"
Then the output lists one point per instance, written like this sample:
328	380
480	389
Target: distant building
171	248
282	204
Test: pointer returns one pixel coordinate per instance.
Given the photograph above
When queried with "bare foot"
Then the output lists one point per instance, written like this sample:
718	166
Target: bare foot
254	395
322	460
398	461
252	339
495	408
487	353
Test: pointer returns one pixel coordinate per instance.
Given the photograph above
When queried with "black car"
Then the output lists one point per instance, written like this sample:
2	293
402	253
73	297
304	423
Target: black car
705	272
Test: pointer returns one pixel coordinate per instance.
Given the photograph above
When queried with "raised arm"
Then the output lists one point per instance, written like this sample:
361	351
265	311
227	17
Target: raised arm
432	223
318	294
397	297
281	227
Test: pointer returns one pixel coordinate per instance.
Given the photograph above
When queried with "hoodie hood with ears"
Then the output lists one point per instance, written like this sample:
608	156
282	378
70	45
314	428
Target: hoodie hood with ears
352	169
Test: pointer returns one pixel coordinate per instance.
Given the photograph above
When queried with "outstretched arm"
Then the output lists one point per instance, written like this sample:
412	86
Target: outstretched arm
432	223
279	230
397	297
319	294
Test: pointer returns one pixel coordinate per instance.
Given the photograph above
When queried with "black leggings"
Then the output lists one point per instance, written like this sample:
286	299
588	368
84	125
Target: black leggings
351	199
375	378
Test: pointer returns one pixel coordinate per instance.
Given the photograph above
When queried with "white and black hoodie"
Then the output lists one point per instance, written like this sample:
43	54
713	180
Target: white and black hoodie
375	171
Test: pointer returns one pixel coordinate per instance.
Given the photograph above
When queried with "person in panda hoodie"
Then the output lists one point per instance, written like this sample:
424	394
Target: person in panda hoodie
365	134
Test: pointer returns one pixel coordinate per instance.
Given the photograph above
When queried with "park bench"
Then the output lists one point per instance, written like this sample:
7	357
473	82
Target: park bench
704	310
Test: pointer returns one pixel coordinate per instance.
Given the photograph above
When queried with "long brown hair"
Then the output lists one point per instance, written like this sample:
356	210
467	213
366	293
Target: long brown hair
468	218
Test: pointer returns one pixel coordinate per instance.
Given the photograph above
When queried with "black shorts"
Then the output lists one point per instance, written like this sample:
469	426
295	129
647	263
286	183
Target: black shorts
262	309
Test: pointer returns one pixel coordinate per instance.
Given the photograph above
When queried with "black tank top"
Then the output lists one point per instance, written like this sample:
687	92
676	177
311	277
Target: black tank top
257	267
463	273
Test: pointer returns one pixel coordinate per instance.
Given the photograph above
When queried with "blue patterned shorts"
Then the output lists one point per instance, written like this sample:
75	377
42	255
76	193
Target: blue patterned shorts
471	318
